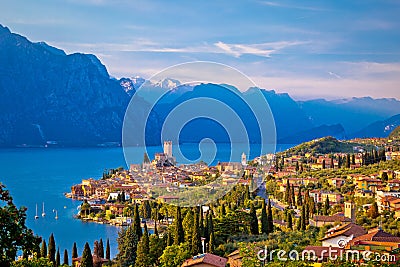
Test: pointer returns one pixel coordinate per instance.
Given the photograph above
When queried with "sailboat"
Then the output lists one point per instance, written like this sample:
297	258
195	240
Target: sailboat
43	213
36	216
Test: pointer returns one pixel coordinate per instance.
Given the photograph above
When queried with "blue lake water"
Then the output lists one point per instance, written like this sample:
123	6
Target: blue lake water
37	175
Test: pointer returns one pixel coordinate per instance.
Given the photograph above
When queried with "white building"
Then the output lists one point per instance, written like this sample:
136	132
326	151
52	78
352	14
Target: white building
244	159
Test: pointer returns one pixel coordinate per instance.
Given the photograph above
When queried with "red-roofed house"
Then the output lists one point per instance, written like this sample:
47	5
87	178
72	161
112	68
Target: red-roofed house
206	260
344	232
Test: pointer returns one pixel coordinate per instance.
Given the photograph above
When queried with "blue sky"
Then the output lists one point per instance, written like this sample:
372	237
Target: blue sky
309	49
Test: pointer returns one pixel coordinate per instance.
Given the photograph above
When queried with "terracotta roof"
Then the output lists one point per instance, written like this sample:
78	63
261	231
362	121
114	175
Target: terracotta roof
333	218
349	229
206	258
377	235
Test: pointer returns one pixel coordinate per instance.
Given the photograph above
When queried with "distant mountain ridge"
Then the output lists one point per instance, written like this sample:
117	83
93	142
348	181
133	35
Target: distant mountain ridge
49	97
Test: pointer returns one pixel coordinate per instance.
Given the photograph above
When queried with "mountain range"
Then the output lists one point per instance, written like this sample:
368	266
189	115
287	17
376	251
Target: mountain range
49	97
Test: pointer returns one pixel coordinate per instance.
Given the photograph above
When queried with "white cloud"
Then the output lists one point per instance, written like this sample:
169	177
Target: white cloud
291	6
263	49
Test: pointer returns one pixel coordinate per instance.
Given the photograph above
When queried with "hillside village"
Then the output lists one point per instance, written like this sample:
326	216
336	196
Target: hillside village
347	199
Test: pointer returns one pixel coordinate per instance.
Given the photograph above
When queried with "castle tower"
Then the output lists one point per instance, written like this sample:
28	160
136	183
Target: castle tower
244	159
168	149
350	211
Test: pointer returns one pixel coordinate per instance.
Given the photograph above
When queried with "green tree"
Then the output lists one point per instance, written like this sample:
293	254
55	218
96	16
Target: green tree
188	222
43	249
348	161
52	249
65	262
175	255
287	192
292	196
196	245
248	252
253	220
299	198
74	251
179	235
373	212
101	248
136	223
289	220
326	206
14	235
156	246
264	219
127	246
223	209
211	243
87	259
385	177
143	250
108	257
303	218
58	257
270	218
41	262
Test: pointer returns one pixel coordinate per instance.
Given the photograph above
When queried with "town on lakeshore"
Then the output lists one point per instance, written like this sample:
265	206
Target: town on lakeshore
325	202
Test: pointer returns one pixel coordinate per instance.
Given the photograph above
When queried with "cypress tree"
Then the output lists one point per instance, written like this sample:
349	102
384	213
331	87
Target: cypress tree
206	234
108	257
348	161
179	236
223	210
289	220
326	206
287	192
298	225
187	223
170	239
96	248
270	218
101	248
58	258
292	196
143	250
155	228
299	198
264	219
43	249
87	259
136	222
303	218
253	220
201	222
74	251
52	249
196	237
211	243
210	224
65	262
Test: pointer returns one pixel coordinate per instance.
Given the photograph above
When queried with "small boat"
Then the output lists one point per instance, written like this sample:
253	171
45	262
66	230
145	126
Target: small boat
43	213
36	216
56	215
